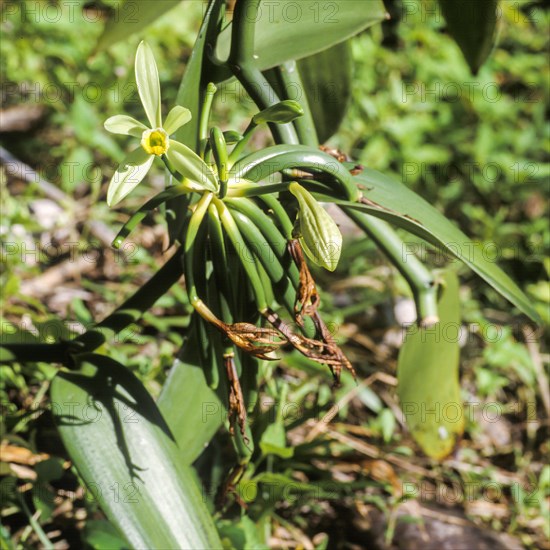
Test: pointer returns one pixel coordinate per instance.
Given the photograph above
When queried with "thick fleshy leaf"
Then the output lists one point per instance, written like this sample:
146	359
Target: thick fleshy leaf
191	166
327	79
148	84
130	17
124	450
394	202
177	117
280	113
288	30
190	94
125	125
201	406
472	24
320	237
428	381
128	175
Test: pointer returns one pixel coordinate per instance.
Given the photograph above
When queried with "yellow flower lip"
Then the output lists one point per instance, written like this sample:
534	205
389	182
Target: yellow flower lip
155	142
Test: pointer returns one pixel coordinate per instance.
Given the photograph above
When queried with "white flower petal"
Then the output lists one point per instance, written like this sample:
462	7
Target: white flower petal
147	80
126	125
176	118
191	166
128	175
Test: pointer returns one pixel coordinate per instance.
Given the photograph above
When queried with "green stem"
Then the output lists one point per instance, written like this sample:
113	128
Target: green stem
257	190
46	542
129	312
241	62
170	193
241	144
420	279
134	307
32	353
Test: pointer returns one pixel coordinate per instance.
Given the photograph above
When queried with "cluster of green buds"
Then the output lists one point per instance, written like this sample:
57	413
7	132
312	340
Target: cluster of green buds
236	227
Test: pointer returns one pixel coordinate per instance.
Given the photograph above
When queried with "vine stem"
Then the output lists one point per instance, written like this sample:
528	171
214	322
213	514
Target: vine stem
417	275
242	64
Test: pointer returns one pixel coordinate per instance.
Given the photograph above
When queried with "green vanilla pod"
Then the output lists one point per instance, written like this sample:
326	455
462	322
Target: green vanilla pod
319	235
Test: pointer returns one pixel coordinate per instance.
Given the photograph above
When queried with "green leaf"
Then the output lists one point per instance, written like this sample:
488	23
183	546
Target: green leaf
288	30
280	113
128	175
319	235
43	499
327	79
386	420
123	449
427	375
187	400
148	83
49	469
472	24
101	535
190	95
273	441
394	202
193	86
131	17
244	533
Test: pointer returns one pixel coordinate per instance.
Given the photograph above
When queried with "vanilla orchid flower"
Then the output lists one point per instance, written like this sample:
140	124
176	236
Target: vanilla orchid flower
155	139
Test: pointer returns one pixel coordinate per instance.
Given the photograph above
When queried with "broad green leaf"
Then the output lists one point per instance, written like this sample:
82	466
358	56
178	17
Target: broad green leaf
319	235
244	533
273	441
472	24
280	113
327	80
190	96
148	83
193	84
394	202
128	175
428	381
288	30
131	17
101	535
187	400
123	449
